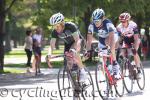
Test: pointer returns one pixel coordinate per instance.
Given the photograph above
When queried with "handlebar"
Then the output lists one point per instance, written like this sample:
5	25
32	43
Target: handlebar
67	54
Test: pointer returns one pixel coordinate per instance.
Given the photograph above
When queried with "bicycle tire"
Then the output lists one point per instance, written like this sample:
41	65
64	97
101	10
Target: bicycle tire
119	86
142	78
102	82
127	80
63	79
89	84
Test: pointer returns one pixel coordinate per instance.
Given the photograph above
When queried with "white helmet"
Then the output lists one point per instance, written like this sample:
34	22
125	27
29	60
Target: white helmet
56	18
98	14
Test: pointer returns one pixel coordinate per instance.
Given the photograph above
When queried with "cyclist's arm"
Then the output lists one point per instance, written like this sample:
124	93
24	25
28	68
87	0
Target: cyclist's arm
76	44
89	37
111	31
52	46
136	37
136	41
111	40
89	41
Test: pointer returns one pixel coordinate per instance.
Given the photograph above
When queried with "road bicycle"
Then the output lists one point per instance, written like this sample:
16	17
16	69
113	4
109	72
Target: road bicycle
105	79
130	70
69	84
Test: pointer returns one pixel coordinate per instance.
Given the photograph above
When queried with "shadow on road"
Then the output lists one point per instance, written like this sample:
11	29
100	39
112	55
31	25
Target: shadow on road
134	93
26	79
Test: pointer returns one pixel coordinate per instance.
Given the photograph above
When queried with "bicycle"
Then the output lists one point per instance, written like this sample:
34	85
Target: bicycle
104	76
130	70
69	84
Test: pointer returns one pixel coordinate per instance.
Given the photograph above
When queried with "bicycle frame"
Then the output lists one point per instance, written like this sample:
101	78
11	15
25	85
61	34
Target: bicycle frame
105	66
75	83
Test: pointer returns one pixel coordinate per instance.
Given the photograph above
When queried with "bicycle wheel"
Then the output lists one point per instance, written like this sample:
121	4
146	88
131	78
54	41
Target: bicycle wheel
127	77
87	86
102	82
64	84
141	80
119	86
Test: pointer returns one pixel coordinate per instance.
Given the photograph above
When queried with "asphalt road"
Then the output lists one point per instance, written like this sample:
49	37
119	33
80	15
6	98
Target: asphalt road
44	87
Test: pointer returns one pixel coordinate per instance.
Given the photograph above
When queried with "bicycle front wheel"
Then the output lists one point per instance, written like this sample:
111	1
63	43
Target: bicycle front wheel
141	79
64	84
87	86
128	77
102	82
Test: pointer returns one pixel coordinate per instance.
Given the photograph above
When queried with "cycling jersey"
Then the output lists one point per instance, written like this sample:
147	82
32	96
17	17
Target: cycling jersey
128	32
103	31
67	34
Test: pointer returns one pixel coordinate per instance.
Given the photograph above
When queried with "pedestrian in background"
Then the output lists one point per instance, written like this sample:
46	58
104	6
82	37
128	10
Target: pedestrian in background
28	46
37	43
144	44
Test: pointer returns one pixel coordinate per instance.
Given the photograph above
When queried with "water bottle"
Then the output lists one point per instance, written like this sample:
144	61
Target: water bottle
110	69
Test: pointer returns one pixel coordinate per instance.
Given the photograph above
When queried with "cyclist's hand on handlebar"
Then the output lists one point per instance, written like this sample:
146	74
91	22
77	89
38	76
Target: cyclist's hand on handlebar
71	53
87	54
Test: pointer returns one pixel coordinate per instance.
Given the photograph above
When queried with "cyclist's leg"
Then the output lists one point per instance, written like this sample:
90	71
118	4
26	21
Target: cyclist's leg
136	55
111	40
77	60
81	66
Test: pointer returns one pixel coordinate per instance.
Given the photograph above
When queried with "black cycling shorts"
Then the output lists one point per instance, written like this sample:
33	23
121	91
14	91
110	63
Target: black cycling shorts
68	46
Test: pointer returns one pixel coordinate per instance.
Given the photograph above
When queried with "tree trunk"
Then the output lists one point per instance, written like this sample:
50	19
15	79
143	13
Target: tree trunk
2	31
7	41
86	19
15	43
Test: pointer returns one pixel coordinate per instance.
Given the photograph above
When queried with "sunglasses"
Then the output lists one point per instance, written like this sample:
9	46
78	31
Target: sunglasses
123	21
97	21
56	26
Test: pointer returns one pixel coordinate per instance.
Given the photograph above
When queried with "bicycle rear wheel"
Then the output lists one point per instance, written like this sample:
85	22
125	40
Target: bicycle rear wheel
64	84
141	80
128	78
102	82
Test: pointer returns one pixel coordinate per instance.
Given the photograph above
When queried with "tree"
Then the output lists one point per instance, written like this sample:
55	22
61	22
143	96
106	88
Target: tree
3	12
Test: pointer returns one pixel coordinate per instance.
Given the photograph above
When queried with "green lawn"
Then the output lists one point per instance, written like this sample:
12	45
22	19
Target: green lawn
20	53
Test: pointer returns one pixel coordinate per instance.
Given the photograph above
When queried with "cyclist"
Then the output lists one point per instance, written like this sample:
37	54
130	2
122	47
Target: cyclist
104	30
129	32
69	33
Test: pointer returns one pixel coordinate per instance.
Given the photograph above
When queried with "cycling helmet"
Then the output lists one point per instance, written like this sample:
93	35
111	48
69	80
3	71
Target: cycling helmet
98	14
56	18
124	17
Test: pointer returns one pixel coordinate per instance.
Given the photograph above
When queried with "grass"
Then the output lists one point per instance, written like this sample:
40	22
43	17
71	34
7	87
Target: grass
12	70
20	53
56	64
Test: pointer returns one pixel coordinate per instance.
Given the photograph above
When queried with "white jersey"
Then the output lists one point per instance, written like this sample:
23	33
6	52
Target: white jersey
128	31
38	38
101	33
104	30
